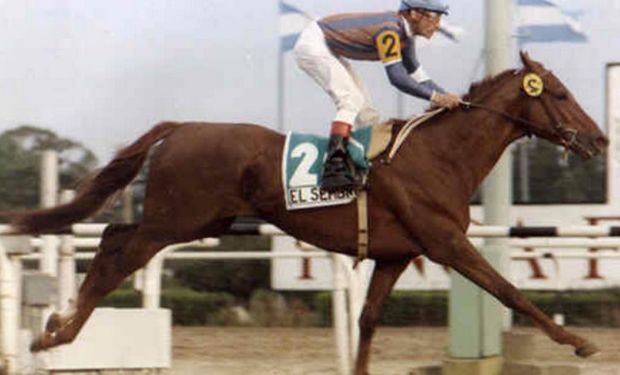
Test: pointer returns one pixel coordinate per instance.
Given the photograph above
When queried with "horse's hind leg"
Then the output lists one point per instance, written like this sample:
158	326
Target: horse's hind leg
123	249
383	279
112	239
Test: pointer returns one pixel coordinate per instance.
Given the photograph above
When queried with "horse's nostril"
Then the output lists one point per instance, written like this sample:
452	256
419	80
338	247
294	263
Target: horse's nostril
602	142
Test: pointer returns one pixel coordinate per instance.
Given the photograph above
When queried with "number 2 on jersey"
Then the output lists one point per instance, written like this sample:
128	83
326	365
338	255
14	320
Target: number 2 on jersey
388	44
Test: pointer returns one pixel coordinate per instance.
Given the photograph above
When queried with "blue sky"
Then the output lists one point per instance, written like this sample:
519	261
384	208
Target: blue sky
103	72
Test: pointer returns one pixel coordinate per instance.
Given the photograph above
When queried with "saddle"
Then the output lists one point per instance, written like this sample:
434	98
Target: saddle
304	154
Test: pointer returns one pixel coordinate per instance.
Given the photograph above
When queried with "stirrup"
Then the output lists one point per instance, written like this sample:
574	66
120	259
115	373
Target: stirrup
337	175
337	183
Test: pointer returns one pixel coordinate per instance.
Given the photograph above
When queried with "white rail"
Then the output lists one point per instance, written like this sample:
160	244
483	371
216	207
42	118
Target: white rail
345	280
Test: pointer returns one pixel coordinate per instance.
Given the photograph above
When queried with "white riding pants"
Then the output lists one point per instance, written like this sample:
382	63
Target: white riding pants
336	76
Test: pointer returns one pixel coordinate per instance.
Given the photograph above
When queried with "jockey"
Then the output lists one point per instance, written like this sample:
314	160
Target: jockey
389	37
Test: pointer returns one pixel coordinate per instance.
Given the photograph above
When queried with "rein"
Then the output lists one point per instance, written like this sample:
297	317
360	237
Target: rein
518	120
534	88
567	135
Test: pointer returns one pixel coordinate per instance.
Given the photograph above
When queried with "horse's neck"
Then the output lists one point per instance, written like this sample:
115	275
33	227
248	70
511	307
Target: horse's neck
491	134
474	141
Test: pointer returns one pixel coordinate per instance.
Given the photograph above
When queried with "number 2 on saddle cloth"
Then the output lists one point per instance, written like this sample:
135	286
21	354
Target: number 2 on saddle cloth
303	158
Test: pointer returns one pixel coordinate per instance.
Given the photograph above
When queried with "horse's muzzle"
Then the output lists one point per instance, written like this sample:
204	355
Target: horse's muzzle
588	147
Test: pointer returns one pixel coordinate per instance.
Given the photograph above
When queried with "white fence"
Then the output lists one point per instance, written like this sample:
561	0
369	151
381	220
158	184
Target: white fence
347	285
537	264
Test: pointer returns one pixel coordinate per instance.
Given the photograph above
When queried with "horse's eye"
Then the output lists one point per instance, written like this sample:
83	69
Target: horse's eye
561	95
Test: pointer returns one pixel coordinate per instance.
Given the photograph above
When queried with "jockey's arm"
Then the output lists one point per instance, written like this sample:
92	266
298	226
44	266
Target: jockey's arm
410	83
417	84
406	74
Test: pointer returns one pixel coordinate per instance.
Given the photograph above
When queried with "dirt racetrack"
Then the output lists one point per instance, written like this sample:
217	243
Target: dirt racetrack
310	351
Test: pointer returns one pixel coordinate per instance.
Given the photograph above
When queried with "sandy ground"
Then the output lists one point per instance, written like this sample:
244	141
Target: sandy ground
297	351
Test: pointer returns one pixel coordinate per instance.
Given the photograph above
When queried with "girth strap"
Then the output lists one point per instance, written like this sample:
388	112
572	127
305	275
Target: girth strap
362	227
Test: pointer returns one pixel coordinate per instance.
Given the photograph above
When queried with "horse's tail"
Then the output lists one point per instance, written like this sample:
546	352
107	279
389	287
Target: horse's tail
96	190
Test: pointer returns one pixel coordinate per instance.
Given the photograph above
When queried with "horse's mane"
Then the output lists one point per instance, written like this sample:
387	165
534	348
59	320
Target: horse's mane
483	87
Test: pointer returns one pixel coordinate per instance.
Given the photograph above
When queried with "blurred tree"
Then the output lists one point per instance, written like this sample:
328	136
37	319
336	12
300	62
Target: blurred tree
239	278
554	179
20	150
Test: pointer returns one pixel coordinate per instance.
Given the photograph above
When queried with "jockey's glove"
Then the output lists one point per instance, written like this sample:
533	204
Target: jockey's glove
449	101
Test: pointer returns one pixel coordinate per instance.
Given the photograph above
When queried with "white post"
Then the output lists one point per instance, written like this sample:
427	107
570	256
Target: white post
66	269
138	280
358	286
9	310
48	198
354	310
497	189
339	314
475	318
152	282
138	276
48	189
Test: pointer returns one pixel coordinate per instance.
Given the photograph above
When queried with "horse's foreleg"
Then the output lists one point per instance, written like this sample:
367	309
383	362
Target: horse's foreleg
123	250
467	261
383	279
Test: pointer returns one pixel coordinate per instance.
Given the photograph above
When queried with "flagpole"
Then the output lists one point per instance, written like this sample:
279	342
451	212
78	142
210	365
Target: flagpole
280	104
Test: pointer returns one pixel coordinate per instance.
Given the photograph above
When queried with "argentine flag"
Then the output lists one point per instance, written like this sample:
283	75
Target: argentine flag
542	21
292	23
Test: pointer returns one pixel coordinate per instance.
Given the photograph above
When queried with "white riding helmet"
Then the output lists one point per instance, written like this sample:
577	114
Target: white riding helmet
437	6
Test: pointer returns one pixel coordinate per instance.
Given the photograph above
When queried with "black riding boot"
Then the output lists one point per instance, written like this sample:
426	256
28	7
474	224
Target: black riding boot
338	173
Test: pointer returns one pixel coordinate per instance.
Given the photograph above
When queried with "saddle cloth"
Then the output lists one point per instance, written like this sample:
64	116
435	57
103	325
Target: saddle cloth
303	159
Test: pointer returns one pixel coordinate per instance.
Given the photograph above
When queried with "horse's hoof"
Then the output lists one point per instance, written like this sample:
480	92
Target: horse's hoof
38	344
586	350
42	342
53	323
35	346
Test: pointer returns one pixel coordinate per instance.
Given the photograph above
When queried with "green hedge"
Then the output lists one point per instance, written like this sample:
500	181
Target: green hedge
188	307
402	308
580	308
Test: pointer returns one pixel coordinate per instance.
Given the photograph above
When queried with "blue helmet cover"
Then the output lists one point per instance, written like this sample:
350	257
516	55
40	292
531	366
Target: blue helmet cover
437	6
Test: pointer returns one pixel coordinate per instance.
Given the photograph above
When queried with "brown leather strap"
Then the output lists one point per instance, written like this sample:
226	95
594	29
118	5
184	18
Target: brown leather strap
407	128
362	226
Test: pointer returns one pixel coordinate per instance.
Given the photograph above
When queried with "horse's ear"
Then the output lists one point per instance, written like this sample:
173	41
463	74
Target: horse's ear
527	62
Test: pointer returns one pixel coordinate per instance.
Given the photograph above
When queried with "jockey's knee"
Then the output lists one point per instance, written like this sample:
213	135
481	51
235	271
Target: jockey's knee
368	116
349	107
346	116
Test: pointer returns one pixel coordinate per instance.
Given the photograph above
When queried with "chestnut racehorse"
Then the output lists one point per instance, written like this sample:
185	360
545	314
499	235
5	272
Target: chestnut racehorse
204	175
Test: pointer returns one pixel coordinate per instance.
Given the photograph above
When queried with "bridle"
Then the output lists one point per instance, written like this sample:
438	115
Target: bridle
566	134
